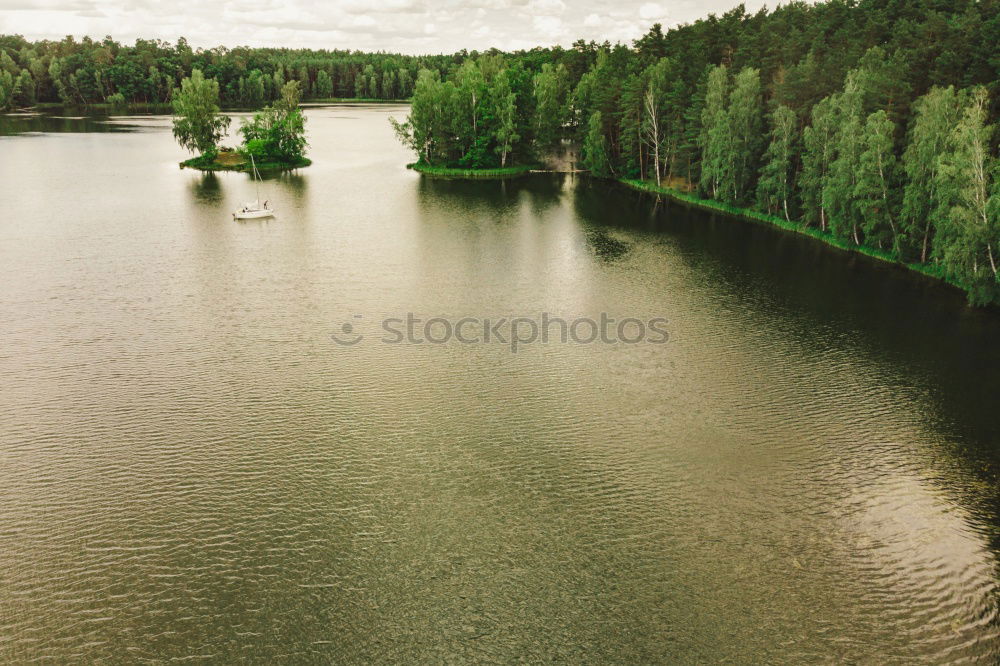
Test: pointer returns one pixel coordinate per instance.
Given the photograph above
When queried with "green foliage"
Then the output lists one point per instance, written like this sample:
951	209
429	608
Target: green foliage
744	136
8	89
479	118
819	146
714	139
877	192
324	84
595	154
198	126
839	186
277	133
449	172
969	231
936	115
24	89
775	187
551	89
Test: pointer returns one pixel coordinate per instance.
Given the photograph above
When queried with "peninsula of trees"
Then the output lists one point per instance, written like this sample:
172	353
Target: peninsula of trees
866	124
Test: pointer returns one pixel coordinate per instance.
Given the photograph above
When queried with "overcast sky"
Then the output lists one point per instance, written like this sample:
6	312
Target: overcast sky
407	26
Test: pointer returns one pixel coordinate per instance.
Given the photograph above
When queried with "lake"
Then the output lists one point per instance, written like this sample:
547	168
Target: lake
213	449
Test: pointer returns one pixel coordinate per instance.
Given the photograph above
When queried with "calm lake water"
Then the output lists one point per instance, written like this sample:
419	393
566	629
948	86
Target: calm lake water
192	468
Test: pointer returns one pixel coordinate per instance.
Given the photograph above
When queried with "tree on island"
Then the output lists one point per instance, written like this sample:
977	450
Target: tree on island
277	133
198	125
480	117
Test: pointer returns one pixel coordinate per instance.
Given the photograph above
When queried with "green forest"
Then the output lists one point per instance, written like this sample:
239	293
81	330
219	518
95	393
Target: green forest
86	72
867	123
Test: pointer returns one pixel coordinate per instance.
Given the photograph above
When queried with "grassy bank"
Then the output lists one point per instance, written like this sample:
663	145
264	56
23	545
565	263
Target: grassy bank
688	199
447	172
367	100
229	160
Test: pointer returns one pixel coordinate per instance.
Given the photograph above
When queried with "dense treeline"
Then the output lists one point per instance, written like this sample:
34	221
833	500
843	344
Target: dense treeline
869	122
93	72
90	72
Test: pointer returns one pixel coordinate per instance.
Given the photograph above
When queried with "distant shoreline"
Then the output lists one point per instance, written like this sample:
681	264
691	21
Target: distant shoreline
165	107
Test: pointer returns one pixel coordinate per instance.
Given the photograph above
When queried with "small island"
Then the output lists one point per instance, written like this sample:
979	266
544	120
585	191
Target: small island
228	159
274	137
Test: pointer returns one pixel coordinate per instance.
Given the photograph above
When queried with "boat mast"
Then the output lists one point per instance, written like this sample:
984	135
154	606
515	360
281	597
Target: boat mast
256	178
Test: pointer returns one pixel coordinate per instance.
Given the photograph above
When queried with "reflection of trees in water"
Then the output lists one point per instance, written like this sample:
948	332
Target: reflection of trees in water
206	188
65	121
608	204
541	191
282	184
606	247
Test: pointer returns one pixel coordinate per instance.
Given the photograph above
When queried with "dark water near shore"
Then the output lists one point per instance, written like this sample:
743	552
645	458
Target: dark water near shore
191	468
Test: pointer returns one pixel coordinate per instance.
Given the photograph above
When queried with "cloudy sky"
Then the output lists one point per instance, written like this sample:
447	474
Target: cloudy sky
408	26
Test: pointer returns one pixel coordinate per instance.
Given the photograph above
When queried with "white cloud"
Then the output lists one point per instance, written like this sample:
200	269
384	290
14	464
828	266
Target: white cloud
546	7
652	11
409	26
552	26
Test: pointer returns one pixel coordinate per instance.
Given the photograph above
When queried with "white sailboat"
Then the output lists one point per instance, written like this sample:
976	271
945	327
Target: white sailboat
253	209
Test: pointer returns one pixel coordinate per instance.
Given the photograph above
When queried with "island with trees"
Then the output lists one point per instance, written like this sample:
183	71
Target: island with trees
273	138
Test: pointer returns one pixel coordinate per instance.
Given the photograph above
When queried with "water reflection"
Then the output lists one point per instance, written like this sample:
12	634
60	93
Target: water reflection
207	189
806	472
13	124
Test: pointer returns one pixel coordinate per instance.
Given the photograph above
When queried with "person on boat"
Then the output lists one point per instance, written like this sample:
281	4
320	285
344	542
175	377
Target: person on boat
265	202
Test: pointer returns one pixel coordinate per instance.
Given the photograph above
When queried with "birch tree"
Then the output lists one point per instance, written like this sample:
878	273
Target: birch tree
775	186
818	143
877	188
714	131
969	233
937	113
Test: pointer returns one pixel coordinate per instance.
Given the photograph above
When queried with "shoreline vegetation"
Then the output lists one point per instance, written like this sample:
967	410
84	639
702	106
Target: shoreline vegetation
232	160
692	200
475	173
166	107
857	124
